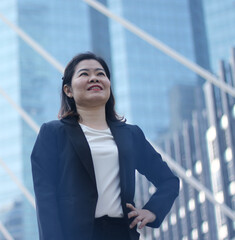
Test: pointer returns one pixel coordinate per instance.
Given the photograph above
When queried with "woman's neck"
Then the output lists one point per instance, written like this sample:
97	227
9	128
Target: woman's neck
93	117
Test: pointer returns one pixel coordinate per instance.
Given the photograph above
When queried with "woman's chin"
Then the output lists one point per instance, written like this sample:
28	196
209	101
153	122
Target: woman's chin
95	101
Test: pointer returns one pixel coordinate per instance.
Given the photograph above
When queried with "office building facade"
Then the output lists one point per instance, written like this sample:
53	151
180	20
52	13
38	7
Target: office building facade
205	149
10	132
142	74
221	141
219	21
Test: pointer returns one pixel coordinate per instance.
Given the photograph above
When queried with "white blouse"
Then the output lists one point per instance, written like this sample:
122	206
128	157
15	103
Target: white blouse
106	165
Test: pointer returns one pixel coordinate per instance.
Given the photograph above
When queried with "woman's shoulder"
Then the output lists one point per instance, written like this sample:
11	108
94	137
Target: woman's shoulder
134	128
51	126
123	124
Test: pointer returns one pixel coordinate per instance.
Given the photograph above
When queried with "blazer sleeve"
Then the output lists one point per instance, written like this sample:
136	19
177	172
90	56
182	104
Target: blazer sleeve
44	169
150	164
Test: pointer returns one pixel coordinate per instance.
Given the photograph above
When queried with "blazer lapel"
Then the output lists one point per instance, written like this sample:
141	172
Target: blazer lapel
122	137
80	144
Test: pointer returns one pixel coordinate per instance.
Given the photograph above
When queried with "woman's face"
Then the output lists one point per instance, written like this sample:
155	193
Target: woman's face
90	86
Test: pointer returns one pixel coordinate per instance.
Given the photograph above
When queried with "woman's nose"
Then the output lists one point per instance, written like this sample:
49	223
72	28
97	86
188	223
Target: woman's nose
93	79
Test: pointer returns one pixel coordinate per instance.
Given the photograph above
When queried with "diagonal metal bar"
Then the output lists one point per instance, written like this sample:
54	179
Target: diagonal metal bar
163	47
38	48
21	111
22	188
5	233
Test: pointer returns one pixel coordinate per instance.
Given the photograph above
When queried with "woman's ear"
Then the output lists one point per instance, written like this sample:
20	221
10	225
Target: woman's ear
68	91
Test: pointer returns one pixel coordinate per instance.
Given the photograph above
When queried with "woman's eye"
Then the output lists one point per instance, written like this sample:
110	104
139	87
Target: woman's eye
84	74
100	73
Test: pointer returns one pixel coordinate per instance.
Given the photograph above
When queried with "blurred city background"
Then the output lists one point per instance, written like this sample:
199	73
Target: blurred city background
185	106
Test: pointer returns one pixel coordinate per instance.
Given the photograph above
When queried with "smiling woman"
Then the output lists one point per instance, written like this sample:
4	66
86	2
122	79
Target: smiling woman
84	164
90	86
76	69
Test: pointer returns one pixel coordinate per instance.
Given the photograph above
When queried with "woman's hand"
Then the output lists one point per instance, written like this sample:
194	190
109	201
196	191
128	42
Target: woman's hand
141	215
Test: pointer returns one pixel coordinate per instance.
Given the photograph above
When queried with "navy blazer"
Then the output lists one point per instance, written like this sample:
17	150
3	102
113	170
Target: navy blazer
65	184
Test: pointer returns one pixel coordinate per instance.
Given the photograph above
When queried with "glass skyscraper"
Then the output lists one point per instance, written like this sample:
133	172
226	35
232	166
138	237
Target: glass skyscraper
205	148
144	75
10	132
219	19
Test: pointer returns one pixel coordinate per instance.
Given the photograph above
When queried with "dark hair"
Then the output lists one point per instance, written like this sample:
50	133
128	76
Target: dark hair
68	106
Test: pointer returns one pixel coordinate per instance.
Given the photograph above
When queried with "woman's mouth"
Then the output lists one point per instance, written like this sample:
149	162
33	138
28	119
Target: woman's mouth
95	88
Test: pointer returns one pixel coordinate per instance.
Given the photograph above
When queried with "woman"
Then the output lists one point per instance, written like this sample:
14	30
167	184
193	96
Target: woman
84	164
